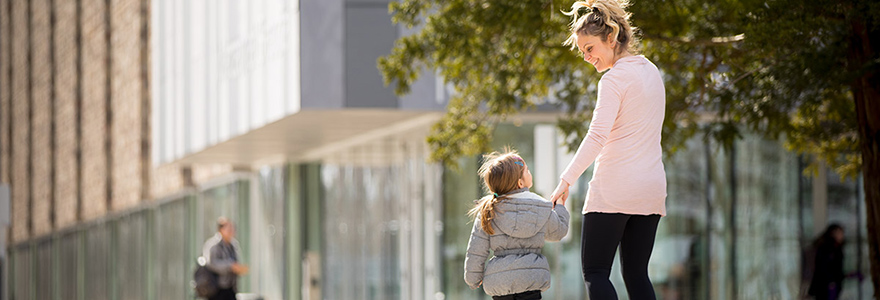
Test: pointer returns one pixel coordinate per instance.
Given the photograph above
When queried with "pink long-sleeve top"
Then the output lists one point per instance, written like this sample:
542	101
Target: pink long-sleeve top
624	141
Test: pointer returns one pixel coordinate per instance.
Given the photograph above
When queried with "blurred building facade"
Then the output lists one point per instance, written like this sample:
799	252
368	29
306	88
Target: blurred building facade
128	126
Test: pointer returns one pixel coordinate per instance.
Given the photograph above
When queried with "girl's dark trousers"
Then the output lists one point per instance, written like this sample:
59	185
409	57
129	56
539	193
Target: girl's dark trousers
529	295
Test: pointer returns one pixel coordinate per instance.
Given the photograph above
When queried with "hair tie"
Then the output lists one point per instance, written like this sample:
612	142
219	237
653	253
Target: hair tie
496	195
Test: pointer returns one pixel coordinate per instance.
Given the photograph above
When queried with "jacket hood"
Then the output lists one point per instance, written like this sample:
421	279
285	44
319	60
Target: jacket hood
522	215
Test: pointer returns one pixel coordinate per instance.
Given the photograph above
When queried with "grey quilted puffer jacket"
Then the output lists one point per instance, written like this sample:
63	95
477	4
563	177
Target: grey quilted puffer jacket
522	223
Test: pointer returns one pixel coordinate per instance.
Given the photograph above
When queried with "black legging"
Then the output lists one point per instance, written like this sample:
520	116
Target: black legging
601	234
224	294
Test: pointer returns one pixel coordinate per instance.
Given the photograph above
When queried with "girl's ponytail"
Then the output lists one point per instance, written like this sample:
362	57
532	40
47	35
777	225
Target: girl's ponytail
485	209
501	174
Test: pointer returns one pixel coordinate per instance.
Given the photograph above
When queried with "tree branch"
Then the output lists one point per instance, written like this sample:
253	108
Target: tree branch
719	40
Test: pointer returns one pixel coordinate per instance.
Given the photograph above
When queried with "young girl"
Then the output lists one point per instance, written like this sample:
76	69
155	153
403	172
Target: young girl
514	223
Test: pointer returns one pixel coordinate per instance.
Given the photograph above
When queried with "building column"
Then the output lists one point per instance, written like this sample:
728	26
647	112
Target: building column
820	198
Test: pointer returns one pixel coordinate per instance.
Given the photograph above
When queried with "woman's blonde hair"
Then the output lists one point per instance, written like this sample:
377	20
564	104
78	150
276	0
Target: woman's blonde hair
606	17
500	174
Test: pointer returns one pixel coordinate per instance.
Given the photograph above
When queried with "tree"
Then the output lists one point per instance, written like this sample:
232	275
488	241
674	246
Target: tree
805	70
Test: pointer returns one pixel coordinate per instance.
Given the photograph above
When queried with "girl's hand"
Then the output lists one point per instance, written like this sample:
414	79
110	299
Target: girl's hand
560	194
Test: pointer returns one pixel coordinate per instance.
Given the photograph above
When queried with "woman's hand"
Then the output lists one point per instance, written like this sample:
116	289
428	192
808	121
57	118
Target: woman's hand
560	194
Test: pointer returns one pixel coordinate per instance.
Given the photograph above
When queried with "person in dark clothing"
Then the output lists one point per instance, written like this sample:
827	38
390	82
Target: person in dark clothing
827	281
223	254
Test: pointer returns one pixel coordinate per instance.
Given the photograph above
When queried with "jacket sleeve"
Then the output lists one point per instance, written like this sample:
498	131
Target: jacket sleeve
219	262
557	224
477	253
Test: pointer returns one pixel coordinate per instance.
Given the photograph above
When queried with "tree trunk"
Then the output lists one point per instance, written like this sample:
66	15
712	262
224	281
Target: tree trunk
867	99
867	108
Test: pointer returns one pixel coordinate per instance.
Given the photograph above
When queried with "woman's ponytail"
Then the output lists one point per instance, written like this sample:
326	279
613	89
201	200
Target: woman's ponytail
605	18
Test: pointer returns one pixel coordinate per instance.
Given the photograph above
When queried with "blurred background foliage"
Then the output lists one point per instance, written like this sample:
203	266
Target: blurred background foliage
805	72
776	67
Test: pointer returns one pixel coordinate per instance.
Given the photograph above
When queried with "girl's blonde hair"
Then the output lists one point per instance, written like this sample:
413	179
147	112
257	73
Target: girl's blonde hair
500	174
606	17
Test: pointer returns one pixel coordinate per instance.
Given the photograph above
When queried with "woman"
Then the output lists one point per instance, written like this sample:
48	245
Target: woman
828	275
627	195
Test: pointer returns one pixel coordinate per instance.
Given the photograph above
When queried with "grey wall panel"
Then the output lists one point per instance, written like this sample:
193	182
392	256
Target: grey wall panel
131	265
170	275
369	34
22	274
68	248
424	94
43	282
427	93
321	71
97	262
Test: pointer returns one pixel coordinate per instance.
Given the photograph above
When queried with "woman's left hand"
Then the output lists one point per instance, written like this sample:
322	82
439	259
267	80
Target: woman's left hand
560	193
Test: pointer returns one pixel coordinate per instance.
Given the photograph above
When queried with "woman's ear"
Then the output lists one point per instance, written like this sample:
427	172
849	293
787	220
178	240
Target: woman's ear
520	183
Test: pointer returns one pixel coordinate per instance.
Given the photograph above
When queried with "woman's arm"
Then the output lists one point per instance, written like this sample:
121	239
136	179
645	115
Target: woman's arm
607	107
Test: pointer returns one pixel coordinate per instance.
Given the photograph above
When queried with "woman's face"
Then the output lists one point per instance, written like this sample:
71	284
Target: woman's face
596	52
838	236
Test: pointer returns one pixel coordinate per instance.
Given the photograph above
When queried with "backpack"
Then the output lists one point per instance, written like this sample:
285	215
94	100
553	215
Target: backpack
204	280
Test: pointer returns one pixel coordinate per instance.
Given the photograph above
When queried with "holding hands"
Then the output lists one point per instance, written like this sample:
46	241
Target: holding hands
560	194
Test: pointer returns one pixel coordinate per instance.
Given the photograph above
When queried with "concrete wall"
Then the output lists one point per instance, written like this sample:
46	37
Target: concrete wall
94	109
20	140
73	110
41	114
66	180
5	91
127	92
